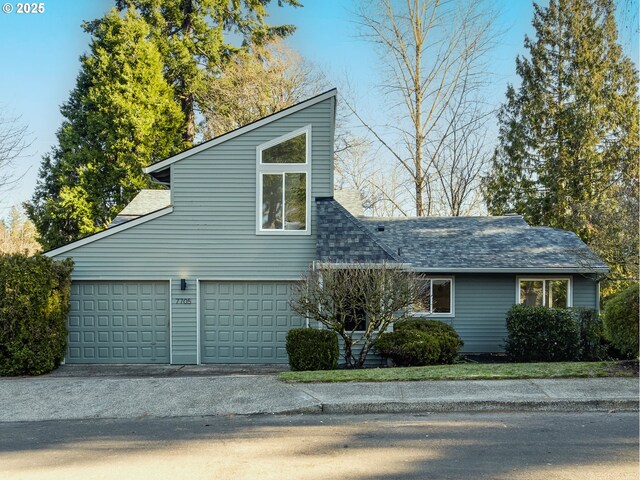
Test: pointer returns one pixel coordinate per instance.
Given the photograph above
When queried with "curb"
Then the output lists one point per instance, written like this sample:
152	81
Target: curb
623	405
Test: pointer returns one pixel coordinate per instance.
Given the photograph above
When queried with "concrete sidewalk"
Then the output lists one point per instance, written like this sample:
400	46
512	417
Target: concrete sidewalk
56	397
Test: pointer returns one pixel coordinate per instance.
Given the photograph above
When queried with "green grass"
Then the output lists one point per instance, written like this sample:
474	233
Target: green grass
463	371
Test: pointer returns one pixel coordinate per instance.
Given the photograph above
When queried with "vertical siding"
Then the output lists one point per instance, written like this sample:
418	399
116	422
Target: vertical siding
211	233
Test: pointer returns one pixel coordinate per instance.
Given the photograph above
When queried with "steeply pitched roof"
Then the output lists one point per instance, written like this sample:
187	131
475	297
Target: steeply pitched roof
145	202
342	238
483	244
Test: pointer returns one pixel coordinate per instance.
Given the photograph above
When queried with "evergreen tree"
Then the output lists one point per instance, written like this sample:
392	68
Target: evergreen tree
190	34
568	144
120	117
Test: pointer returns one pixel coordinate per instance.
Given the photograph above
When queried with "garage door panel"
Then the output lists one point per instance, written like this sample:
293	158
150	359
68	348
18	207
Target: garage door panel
120	322
245	322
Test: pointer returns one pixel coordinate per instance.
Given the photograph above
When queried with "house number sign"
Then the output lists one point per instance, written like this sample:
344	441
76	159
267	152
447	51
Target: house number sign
183	300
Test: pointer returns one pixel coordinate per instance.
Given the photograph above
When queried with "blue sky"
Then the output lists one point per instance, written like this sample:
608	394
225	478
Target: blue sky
39	61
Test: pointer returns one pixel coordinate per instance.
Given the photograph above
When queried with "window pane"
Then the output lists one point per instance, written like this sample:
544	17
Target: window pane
272	202
557	293
295	201
531	292
441	296
293	150
424	302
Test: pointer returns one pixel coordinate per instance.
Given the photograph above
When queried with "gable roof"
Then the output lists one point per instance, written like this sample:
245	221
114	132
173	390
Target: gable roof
154	167
146	201
486	244
451	244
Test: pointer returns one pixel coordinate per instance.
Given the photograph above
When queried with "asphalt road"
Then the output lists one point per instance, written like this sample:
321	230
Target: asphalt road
439	446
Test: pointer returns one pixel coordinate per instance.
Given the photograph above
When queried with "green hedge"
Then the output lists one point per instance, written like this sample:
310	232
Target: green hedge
541	334
621	321
34	303
312	349
417	342
593	346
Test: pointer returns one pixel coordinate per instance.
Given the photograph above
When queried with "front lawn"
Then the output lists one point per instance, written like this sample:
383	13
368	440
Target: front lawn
464	371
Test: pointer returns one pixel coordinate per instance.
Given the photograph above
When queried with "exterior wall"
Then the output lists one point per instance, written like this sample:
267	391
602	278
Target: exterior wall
482	300
211	233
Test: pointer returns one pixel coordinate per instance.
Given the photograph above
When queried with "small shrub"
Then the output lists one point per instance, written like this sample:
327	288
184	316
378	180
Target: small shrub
541	334
419	341
312	349
621	321
449	341
410	347
34	303
592	345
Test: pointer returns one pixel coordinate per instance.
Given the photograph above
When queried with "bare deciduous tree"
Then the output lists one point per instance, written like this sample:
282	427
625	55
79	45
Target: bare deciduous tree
257	83
13	144
18	234
358	301
430	50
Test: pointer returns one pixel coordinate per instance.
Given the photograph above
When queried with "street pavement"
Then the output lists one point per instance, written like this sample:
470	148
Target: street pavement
76	394
513	446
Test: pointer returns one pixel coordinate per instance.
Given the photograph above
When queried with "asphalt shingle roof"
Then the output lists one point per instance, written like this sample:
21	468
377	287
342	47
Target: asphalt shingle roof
145	202
443	244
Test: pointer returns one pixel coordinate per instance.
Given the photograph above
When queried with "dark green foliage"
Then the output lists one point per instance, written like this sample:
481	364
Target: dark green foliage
34	303
193	38
450	342
120	117
541	334
416	342
568	141
312	349
621	321
592	345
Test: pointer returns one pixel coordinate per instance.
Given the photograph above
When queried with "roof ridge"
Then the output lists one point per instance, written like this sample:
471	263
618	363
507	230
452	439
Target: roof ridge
365	230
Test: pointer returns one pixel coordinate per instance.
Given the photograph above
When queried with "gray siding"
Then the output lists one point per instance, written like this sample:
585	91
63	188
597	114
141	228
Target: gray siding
211	233
482	301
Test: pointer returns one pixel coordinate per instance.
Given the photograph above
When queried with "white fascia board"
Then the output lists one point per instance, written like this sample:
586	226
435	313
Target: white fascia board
240	131
108	232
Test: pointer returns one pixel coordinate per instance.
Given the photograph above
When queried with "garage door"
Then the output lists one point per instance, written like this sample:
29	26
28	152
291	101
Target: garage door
119	322
245	322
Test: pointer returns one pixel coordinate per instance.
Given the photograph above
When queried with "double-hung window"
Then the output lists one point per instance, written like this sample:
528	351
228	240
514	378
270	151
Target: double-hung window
284	184
436	296
549	292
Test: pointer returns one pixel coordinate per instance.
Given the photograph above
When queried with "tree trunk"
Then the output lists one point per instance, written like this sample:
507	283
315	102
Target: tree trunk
187	97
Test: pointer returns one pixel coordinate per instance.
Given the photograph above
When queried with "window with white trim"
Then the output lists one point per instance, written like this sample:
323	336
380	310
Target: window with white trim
436	296
548	292
283	175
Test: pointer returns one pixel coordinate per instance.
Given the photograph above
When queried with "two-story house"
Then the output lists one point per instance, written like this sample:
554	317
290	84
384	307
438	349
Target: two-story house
202	272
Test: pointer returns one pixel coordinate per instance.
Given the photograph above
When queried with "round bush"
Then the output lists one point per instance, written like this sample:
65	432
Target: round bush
34	303
541	334
448	340
410	347
312	349
592	343
621	321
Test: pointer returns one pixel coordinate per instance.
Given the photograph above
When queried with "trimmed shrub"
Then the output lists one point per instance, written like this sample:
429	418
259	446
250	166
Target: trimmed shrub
410	347
312	349
621	321
419	341
592	345
449	341
34	303
541	334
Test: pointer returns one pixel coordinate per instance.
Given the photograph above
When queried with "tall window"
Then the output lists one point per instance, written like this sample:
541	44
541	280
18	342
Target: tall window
283	184
437	297
549	292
